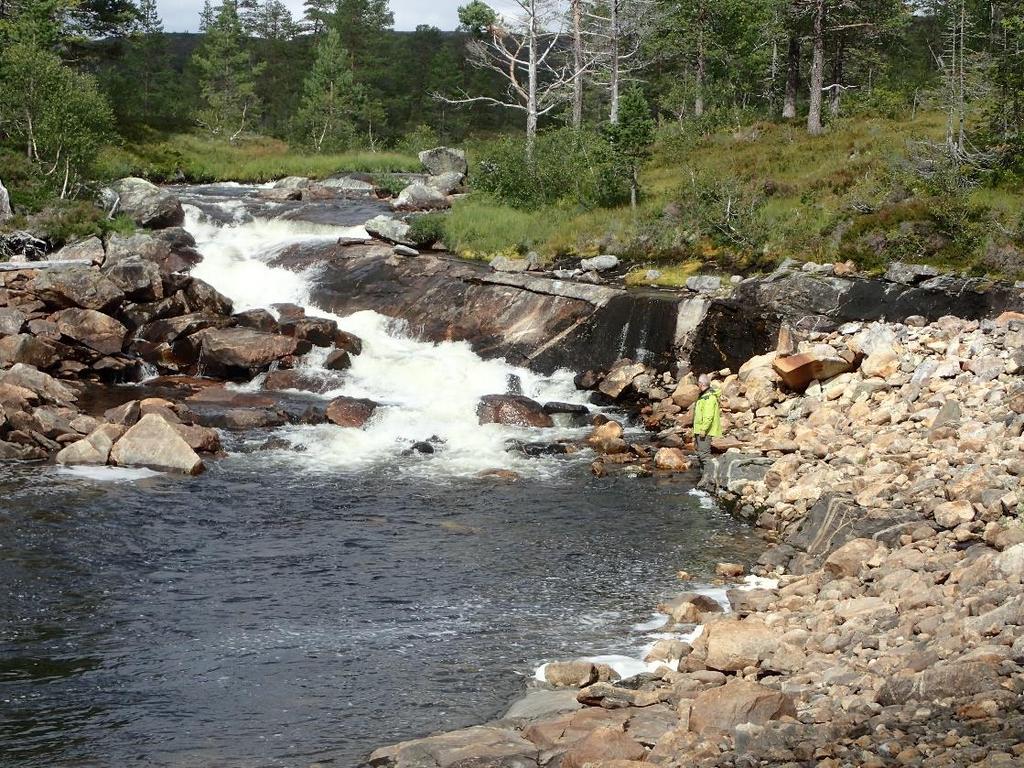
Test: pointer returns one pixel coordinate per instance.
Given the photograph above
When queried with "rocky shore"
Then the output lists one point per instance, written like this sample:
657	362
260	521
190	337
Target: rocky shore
884	460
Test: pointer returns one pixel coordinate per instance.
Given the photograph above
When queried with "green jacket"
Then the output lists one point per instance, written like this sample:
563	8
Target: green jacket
707	416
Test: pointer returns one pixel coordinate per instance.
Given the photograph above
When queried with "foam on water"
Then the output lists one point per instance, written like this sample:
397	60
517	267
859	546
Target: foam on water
108	474
425	390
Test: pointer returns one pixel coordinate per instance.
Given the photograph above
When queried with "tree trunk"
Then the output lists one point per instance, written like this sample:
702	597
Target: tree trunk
837	79
701	74
577	61
613	76
814	125
792	78
634	189
531	97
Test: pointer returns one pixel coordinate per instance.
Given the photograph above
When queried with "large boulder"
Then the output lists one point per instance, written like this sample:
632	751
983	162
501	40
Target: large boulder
620	377
172	250
350	412
28	349
421	197
734	646
11	321
603	744
798	371
446	183
442	160
477	747
389	230
93	449
512	410
40	384
93	329
234	352
147	204
153	442
571	674
82	287
720	710
88	251
6	213
139	278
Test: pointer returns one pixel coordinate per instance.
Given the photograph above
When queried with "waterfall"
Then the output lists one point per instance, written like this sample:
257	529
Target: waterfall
426	391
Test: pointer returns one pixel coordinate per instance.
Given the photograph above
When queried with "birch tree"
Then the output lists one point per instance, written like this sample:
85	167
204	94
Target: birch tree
525	50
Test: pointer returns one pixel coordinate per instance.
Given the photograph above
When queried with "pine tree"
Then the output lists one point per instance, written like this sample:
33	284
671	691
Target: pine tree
227	76
317	15
144	88
206	16
330	97
632	137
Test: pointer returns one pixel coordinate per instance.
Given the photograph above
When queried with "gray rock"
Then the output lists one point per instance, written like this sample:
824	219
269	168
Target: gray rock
6	213
542	705
78	287
147	204
292	182
909	274
89	251
156	444
836	519
505	264
446	183
390	230
704	283
44	386
600	263
349	186
11	321
954	679
94	449
404	250
420	197
443	160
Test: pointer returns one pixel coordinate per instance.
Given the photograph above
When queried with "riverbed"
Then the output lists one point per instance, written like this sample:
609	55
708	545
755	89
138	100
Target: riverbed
321	594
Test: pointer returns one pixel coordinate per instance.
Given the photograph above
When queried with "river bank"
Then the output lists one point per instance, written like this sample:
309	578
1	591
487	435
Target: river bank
885	461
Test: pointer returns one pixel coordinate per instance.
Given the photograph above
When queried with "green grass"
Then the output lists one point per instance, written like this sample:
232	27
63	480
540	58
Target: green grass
203	159
670	276
787	194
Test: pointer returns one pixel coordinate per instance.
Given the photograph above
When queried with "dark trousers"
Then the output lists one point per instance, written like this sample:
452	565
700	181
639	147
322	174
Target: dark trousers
703	449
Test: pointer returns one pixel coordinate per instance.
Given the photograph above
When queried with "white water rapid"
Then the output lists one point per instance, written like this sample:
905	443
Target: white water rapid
425	390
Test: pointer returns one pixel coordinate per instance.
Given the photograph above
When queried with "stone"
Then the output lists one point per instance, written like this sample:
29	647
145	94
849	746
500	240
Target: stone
6	212
139	278
350	412
688	607
704	283
389	230
42	385
346	185
603	744
910	274
671	460
957	679
404	250
835	519
318	331
203	297
607	438
172	250
446	183
686	394
95	330
571	674
89	251
240	352
950	514
30	350
258	320
155	443
81	287
11	321
338	360
539	704
147	205
481	747
720	710
798	371
600	263
734	646
512	410
442	160
851	557
505	264
420	197
1010	562
94	449
620	377
729	570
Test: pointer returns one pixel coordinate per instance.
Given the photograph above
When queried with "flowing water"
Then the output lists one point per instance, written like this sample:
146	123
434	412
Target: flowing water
309	603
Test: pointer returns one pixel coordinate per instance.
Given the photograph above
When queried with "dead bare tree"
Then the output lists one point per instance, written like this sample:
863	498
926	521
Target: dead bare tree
526	49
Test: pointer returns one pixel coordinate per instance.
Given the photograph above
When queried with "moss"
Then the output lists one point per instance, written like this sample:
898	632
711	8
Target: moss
672	276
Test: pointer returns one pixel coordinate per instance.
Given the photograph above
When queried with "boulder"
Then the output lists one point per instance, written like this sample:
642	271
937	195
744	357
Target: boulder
148	205
139	279
28	349
851	557
798	371
704	283
93	329
671	460
88	251
571	674
957	679
607	438
203	297
477	747
733	646
512	410
155	443
42	385
442	160
599	263
11	321
172	250
81	287
389	230
420	197
446	183
348	186
6	212
338	360
688	607
950	514
620	377
258	320
233	352
93	449
720	710
350	412
603	744
318	331
910	274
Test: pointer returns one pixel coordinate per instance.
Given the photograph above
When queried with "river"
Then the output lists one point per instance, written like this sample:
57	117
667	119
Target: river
311	602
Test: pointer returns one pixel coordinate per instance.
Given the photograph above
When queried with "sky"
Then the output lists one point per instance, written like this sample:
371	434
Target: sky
183	15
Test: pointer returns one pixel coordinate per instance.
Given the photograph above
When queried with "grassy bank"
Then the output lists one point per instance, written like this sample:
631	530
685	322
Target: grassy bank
741	200
202	159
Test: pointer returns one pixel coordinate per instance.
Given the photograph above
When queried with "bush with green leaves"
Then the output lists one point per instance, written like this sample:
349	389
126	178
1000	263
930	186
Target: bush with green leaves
569	168
427	229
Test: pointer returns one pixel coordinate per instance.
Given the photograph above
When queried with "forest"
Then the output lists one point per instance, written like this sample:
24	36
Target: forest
894	116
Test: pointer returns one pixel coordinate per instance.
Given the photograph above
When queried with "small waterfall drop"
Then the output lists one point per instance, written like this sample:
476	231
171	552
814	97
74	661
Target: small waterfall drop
426	391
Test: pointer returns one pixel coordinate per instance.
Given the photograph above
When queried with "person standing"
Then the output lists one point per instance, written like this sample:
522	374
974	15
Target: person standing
707	420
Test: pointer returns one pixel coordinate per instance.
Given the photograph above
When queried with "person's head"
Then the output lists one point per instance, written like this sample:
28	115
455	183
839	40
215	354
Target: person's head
704	382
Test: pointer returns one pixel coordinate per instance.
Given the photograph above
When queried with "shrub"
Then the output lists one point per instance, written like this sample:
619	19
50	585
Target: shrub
65	222
418	139
427	229
568	168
